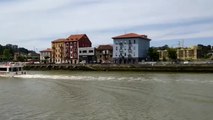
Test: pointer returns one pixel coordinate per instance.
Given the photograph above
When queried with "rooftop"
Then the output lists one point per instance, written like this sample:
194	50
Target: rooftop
131	35
59	40
76	37
47	50
105	47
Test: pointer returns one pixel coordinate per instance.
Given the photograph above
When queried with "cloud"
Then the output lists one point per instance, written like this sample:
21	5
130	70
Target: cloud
24	22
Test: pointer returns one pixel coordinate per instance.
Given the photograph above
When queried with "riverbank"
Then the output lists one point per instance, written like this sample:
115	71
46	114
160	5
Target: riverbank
122	67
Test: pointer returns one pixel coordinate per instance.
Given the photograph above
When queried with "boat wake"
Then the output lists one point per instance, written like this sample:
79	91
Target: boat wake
82	78
64	77
107	78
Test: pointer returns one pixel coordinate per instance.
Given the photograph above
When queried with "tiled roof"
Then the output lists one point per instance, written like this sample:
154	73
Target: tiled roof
47	50
131	35
59	40
76	37
105	47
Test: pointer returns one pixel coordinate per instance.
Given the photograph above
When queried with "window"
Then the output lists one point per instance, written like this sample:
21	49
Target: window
80	51
103	52
90	51
84	51
134	42
3	69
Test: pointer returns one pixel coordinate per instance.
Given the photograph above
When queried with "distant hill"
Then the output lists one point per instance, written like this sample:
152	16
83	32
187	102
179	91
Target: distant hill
9	51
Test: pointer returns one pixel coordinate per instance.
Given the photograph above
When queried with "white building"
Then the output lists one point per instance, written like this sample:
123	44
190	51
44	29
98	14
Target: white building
86	55
46	55
130	48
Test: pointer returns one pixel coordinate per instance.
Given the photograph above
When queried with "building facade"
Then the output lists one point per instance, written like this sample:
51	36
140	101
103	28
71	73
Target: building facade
87	55
192	53
104	54
46	55
163	55
67	50
130	48
72	45
58	51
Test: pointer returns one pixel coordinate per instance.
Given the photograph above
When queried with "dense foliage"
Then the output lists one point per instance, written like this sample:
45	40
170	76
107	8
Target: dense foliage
8	52
153	54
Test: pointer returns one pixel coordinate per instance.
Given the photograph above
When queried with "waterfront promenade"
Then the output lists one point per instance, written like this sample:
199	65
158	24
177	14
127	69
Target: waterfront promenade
124	67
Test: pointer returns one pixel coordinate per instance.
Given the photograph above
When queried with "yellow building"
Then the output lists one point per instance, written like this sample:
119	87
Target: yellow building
163	55
58	50
188	53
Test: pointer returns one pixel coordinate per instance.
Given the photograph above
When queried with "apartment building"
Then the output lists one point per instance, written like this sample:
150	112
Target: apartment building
130	48
58	51
72	45
67	50
104	54
192	53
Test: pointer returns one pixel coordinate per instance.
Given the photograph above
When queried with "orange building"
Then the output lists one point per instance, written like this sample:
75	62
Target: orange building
58	50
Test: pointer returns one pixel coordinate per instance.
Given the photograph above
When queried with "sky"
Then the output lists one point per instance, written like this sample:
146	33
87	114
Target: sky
33	24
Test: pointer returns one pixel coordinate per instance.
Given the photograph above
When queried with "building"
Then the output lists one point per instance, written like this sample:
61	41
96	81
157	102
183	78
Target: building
19	57
58	51
33	57
87	55
66	50
72	45
104	54
130	48
192	53
163	55
46	55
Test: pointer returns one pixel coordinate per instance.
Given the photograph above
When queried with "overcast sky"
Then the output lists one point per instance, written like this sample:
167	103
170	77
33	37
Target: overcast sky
35	23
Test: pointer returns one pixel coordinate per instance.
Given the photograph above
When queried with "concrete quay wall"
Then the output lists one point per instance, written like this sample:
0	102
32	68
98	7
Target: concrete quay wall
122	67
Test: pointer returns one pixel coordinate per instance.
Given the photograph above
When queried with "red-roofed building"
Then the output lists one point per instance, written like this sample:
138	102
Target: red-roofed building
130	48
131	35
67	50
72	45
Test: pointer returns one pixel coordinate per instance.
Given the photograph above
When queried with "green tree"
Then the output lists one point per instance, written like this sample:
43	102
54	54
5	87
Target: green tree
46	59
21	58
172	53
7	55
153	54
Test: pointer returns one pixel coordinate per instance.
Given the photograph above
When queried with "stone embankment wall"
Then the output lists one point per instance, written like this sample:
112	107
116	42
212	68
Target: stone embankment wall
133	67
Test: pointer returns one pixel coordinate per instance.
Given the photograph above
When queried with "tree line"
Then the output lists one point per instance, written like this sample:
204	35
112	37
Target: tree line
205	52
8	52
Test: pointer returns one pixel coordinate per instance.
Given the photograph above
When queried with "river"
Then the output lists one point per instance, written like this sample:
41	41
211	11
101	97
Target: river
66	95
